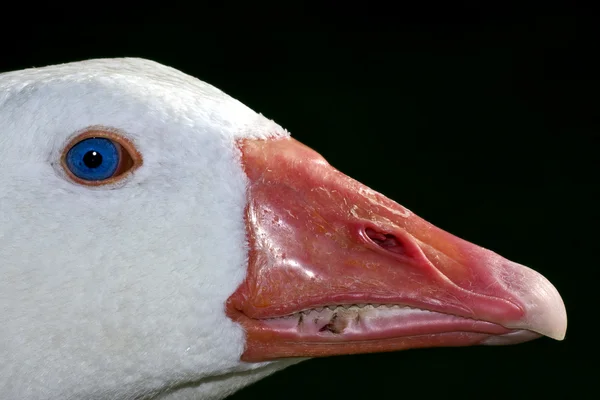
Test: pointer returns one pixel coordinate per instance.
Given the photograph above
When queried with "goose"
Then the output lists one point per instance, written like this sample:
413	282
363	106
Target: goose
161	240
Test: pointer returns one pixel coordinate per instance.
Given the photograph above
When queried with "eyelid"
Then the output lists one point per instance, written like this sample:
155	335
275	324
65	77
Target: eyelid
129	158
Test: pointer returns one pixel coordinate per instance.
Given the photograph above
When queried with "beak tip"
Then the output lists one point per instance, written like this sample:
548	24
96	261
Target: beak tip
545	311
557	321
548	314
553	326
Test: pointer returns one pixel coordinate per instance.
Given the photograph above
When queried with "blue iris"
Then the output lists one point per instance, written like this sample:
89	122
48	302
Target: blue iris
93	159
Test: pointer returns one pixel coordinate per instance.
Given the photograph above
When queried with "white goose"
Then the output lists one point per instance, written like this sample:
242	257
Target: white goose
158	239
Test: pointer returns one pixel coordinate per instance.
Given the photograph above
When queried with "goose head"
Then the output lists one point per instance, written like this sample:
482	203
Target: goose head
159	239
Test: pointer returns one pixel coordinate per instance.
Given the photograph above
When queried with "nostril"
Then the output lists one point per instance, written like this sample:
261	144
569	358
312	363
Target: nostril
386	241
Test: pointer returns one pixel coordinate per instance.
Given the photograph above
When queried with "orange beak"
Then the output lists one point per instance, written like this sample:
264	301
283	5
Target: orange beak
336	268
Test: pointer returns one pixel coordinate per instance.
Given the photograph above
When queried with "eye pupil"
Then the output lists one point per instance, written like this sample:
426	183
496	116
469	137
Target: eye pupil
92	159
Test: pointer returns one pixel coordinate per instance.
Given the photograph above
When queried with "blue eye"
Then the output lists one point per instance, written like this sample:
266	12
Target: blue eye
94	159
99	156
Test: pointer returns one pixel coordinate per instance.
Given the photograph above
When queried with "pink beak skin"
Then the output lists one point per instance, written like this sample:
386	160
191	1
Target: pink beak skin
337	268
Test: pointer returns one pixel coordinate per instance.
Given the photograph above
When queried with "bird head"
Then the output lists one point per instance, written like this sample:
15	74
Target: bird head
159	237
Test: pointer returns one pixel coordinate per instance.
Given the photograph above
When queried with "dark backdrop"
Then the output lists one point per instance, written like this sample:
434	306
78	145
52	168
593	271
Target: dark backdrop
484	123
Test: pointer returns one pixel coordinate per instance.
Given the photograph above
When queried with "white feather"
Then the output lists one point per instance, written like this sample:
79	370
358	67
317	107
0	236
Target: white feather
118	292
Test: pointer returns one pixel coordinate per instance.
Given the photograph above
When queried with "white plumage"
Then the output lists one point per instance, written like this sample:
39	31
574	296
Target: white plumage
167	244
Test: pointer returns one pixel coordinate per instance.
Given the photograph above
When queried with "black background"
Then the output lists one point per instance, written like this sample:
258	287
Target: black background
482	121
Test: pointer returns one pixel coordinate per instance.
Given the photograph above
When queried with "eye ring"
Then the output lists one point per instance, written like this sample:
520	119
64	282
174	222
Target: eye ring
99	156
